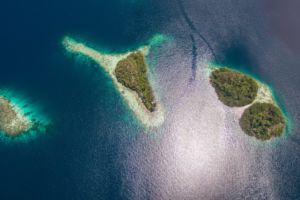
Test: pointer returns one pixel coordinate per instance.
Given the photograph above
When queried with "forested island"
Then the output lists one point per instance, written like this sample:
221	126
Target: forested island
262	118
132	73
233	88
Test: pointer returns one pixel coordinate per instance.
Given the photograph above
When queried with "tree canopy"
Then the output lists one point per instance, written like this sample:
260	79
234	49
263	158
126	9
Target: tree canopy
233	88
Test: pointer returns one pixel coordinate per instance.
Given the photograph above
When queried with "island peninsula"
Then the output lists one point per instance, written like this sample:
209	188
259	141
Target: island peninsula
262	117
130	76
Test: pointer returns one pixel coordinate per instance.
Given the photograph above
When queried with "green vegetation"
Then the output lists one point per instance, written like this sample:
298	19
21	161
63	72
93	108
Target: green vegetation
233	88
263	121
132	73
10	122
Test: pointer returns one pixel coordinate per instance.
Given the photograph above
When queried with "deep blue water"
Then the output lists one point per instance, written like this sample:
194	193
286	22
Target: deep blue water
61	164
81	156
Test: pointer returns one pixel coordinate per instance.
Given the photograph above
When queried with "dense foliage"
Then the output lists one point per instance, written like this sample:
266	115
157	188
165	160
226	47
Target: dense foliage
262	120
233	88
132	73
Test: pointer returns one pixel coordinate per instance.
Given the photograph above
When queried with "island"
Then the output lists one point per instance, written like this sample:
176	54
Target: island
129	74
261	116
12	122
20	121
233	88
263	121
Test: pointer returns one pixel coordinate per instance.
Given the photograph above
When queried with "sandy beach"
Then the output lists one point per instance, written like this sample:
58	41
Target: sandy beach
16	124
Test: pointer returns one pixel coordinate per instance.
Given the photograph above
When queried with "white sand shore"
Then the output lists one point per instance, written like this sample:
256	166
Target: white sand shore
109	63
264	95
20	123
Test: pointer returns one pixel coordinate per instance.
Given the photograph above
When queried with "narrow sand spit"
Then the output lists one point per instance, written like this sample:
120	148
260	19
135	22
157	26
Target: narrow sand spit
109	62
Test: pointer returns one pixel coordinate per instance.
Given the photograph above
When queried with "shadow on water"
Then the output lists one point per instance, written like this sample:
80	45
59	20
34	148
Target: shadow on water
194	29
239	57
194	59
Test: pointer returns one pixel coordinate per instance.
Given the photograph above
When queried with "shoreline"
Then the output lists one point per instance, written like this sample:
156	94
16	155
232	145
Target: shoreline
31	115
109	62
19	120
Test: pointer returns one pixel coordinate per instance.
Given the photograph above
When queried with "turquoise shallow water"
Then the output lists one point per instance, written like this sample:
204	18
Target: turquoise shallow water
33	113
95	148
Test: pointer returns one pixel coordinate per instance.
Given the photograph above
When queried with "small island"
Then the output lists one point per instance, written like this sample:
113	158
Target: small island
129	74
132	73
20	121
233	88
12	122
263	121
261	117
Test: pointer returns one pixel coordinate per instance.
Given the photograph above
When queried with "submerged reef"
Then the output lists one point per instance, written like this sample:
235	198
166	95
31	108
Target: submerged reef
19	121
132	73
261	117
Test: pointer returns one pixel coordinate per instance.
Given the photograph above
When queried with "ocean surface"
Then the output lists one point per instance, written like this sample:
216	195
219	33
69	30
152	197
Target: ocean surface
96	149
